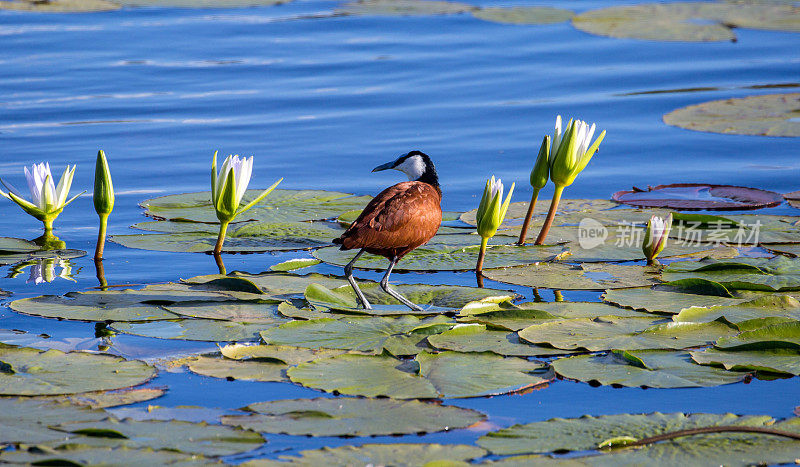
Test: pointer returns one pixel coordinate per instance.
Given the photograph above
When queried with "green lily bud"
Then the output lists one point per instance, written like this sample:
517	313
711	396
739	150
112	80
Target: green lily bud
491	213
541	169
655	237
103	195
572	152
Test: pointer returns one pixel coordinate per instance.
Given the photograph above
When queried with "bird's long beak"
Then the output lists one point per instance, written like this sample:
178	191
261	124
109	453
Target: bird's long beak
388	165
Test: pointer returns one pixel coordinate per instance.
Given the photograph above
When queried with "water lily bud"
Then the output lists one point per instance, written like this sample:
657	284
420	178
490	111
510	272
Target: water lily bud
573	152
490	212
103	195
541	170
655	237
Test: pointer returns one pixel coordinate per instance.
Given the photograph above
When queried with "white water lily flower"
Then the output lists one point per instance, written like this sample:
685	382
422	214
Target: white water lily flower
572	151
491	212
655	237
47	199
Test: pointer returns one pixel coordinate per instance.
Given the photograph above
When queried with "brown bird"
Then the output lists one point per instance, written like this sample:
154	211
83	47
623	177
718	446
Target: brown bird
398	220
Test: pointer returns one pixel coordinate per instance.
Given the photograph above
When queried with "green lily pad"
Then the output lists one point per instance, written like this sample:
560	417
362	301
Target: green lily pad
265	312
601	333
246	370
777	336
789	249
672	298
693	22
343	300
32	372
786	361
26	420
294	264
518	210
399	336
194	330
250	237
644	368
581	277
352	417
404	8
410	455
186	437
444	257
523	15
769	274
103	399
447	374
10	245
116	305
84	455
587	432
476	338
279	206
770	306
764	115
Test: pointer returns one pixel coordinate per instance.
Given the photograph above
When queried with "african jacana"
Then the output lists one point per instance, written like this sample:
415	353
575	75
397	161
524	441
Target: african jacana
398	220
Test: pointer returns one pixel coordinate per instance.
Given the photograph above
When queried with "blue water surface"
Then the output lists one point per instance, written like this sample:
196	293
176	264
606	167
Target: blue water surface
320	100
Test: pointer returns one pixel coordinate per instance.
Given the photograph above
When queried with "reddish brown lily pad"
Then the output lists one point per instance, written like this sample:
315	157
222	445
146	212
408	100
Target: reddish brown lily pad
699	196
793	198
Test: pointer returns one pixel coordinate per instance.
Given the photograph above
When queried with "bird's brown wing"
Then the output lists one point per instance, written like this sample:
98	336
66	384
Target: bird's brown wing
402	216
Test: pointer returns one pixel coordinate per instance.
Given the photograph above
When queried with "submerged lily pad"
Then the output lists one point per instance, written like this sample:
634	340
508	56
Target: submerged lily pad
279	206
523	15
351	417
32	372
764	115
411	455
404	7
249	237
442	257
587	432
399	336
645	368
684	21
581	277
786	361
194	330
699	196
446	374
769	274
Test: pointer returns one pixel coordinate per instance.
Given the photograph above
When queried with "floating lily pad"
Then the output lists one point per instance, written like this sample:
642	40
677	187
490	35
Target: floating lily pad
85	455
202	3
777	336
769	274
23	256
698	196
672	298
517	211
399	336
282	353
587	432
523	15
32	372
343	300
10	245
786	361
793	198
99	400
186	437
294	264
352	417
476	338
763	307
447	374
247	370
645	368
279	206
789	249
26	420
265	312
59	6
764	115
404	8
194	330
581	277
438	257
512	319
694	22
411	455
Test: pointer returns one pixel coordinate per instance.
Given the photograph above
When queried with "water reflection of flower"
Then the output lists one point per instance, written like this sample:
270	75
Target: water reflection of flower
44	270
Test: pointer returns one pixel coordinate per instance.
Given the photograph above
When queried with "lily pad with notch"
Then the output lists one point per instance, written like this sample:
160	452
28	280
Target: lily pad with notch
580	277
477	338
699	196
352	417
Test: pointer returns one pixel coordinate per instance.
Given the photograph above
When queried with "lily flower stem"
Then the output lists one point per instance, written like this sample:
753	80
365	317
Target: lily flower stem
528	216
481	255
551	214
101	238
223	229
48	227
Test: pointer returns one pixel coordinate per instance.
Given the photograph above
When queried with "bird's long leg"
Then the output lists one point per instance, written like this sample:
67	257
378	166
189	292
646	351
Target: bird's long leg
348	272
392	292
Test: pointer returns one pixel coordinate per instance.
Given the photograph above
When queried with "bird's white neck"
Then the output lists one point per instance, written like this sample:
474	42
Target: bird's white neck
414	167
